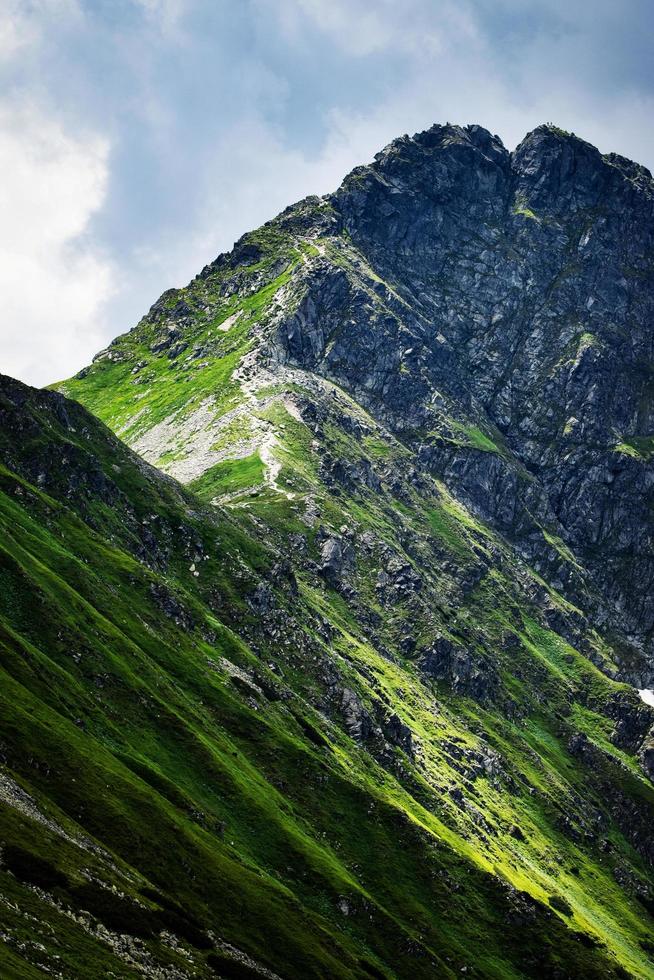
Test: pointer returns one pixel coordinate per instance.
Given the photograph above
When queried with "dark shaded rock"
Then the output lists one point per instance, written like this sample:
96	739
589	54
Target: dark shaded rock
171	606
262	599
352	475
633	719
337	558
398	733
458	667
166	341
177	349
358	722
646	756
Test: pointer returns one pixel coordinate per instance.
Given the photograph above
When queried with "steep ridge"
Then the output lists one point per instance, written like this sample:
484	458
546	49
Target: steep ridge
492	310
214	764
412	419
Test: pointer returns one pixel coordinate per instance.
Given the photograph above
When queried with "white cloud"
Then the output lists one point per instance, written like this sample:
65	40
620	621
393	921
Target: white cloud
361	28
52	282
23	22
15	31
456	70
164	15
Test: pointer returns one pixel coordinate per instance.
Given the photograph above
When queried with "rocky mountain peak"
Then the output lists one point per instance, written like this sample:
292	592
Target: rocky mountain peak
440	136
559	169
448	287
445	161
392	597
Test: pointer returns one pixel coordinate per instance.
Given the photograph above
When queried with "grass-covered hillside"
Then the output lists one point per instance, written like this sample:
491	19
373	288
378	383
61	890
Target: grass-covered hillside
219	758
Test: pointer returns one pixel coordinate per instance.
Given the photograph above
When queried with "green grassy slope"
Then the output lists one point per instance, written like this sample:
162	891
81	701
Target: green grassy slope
177	762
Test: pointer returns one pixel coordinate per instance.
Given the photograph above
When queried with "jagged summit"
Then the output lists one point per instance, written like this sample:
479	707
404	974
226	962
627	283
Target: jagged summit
440	135
547	148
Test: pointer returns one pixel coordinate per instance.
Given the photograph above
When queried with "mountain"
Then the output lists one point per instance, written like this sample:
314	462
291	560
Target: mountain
336	677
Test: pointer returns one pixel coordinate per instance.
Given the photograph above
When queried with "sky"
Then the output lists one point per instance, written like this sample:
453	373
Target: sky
141	138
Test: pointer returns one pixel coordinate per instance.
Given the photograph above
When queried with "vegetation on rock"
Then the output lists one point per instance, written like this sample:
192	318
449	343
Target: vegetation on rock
348	693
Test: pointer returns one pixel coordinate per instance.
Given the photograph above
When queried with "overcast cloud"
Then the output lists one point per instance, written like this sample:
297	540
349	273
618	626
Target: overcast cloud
140	138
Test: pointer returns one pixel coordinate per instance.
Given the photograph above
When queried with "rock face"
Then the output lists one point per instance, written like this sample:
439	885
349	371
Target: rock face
513	294
647	757
447	662
419	410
